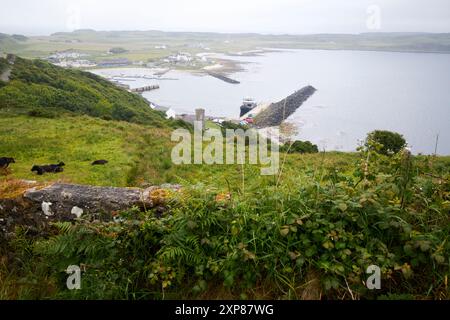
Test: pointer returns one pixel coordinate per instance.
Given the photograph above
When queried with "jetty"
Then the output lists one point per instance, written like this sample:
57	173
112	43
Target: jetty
161	73
157	78
275	113
145	88
253	111
223	78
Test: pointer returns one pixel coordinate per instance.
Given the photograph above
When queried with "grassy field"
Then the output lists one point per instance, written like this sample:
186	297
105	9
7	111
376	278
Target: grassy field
141	44
77	141
308	232
231	233
137	154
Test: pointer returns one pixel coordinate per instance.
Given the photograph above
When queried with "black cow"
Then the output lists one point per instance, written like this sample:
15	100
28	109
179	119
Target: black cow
52	168
97	162
5	162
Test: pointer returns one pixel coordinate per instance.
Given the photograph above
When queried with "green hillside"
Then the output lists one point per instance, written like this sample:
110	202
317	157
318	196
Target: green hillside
50	114
39	88
308	232
79	140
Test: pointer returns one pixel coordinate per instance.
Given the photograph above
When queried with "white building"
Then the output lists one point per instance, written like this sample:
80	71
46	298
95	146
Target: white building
170	113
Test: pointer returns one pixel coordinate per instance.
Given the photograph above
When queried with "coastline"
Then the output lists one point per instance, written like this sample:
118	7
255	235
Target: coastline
226	66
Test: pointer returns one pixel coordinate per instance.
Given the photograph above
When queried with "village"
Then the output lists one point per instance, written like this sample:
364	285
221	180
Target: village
117	57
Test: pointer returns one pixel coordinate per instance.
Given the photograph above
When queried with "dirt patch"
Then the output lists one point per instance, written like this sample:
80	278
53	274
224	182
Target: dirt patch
4	76
11	188
311	290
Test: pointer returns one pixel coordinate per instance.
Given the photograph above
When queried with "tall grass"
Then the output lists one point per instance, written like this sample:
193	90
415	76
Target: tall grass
311	236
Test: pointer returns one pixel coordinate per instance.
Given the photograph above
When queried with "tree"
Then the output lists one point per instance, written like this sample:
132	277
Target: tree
300	147
389	142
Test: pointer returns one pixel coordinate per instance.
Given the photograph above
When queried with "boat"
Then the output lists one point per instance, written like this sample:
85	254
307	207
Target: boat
247	105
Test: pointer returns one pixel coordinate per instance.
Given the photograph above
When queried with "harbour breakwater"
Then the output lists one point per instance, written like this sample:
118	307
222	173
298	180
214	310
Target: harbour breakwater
277	112
223	78
145	88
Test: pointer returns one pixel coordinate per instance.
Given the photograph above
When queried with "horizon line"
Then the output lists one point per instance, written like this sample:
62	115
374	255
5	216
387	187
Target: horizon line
231	33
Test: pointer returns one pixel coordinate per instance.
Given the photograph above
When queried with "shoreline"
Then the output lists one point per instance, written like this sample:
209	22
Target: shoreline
230	66
331	140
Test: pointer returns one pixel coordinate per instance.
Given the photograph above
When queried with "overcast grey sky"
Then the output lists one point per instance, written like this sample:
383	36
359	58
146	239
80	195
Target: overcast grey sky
41	17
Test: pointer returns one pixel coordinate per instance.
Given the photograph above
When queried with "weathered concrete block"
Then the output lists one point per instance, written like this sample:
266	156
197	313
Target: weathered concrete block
34	208
62	198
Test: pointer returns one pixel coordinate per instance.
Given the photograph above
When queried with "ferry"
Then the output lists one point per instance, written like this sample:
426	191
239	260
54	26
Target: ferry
247	105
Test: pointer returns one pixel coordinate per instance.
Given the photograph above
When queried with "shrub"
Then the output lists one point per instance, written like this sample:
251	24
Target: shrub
300	147
3	64
41	113
230	125
390	142
19	37
327	227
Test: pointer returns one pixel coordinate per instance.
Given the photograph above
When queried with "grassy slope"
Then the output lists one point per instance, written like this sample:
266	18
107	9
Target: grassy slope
136	154
41	87
320	187
80	140
266	252
44	118
3	65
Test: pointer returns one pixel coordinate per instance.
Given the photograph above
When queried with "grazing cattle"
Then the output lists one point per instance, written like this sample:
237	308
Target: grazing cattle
5	162
52	168
97	162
